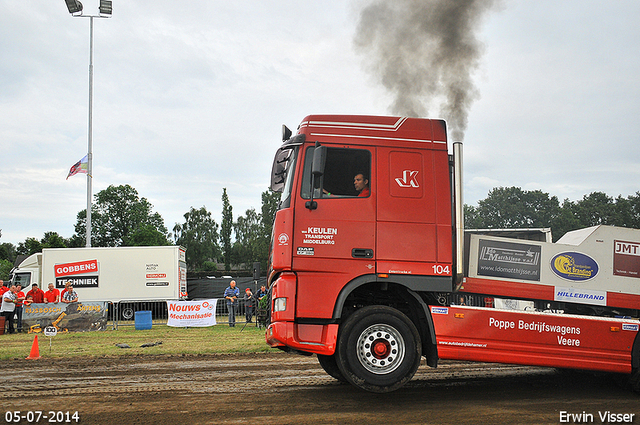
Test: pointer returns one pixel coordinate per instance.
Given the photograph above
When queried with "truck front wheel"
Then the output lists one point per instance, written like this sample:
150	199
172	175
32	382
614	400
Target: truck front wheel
379	349
330	366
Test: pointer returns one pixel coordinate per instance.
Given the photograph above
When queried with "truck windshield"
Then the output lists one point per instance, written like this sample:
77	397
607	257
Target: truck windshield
22	279
282	174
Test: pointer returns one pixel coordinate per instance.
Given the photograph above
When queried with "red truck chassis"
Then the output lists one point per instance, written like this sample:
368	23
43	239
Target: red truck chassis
369	279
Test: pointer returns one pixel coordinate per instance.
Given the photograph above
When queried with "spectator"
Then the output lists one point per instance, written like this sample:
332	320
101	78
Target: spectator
3	288
248	304
8	307
52	295
70	296
231	294
35	295
262	292
19	300
66	288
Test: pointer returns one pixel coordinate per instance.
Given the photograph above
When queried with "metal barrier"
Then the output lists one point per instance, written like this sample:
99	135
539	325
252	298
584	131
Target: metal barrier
122	313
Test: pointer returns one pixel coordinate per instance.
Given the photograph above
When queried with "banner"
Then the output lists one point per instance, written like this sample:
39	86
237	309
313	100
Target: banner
626	259
191	314
85	316
509	259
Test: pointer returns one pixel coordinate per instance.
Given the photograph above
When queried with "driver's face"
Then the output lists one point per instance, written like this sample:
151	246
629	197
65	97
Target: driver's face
359	182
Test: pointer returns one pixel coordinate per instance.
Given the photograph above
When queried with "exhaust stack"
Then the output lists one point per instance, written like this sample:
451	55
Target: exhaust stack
458	214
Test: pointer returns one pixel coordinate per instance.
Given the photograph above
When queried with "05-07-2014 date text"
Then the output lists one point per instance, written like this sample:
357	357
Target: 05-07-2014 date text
37	416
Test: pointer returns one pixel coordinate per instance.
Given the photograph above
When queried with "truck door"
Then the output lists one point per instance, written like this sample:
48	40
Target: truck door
334	241
414	212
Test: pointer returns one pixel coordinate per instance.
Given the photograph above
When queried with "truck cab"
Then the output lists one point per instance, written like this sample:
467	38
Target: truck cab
369	269
28	271
338	247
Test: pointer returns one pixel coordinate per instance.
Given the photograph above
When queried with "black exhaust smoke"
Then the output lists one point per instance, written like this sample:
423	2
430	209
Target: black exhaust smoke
425	52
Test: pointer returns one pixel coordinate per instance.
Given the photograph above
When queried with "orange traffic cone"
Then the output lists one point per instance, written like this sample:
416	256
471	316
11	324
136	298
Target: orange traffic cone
35	350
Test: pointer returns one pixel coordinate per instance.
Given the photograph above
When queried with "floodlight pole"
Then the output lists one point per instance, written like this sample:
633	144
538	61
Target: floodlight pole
90	138
75	8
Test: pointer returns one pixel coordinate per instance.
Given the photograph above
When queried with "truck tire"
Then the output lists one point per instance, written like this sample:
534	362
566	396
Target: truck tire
330	365
379	349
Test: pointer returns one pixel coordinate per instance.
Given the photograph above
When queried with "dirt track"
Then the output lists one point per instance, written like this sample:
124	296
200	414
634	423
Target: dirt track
291	389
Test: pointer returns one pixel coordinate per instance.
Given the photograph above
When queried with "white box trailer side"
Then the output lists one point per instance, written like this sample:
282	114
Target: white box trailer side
118	274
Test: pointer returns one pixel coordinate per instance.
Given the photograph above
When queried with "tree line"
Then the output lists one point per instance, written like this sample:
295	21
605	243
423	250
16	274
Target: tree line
120	217
512	208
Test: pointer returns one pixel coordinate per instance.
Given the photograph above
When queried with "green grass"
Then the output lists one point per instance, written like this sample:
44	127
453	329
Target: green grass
216	339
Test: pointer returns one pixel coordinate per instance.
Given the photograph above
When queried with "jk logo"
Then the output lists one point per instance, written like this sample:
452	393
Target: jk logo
408	179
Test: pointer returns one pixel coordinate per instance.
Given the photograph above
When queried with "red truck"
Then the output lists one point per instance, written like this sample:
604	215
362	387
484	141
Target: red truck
371	269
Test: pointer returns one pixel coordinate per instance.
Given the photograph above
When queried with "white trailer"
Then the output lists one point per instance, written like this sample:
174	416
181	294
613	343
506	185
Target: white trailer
588	271
119	275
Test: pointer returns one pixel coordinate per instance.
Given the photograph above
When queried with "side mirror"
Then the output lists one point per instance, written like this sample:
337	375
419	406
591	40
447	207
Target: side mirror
286	133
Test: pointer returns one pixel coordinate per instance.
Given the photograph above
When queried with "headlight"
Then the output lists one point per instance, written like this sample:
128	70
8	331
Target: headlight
280	304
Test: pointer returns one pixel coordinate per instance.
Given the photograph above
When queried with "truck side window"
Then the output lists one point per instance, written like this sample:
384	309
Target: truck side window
340	171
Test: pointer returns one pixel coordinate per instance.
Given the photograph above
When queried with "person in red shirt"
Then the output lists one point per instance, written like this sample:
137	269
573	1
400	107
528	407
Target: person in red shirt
361	184
52	295
35	295
3	288
19	300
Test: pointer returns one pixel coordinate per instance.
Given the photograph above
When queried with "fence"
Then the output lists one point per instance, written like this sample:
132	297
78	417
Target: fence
123	313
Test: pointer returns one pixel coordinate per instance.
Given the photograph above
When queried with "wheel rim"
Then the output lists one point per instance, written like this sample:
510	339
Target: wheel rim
381	349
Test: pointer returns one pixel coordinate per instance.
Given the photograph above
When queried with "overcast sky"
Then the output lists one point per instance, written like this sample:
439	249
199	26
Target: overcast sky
189	98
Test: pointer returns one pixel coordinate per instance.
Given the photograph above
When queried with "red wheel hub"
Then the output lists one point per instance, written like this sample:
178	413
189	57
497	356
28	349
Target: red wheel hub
381	348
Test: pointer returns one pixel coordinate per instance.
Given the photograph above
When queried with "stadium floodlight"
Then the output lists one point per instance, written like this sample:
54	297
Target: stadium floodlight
105	7
74	6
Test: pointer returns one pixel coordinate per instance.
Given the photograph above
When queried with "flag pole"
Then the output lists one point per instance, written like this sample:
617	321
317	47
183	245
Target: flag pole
90	137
